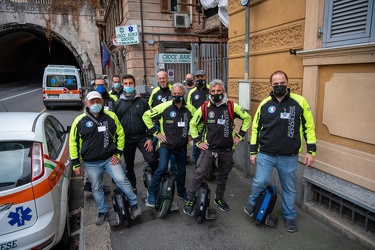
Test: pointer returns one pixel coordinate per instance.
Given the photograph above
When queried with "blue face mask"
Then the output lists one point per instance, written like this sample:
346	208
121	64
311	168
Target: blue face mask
129	90
95	108
116	85
101	89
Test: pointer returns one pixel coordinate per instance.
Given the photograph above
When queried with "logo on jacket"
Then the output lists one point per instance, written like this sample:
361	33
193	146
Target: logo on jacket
196	97
173	114
159	97
271	109
89	124
211	114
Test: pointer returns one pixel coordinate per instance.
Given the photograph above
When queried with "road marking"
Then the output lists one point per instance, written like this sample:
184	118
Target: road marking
10	97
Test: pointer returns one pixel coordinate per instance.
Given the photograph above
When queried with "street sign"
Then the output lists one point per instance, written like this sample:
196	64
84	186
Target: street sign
127	35
170	75
174	58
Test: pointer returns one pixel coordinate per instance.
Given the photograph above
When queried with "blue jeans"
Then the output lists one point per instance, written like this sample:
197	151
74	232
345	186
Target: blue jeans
164	155
94	171
172	158
286	168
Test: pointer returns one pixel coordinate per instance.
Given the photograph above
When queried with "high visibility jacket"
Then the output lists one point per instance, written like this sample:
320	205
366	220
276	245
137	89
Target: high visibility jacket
279	127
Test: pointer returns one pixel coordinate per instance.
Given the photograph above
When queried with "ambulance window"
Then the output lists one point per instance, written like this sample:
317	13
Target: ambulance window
53	81
70	82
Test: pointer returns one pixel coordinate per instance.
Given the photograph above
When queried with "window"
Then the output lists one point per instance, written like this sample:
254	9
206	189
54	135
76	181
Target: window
168	6
15	164
348	22
54	137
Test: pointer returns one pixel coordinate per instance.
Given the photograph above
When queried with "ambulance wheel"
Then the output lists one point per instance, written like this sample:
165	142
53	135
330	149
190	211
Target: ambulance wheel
199	219
164	209
65	239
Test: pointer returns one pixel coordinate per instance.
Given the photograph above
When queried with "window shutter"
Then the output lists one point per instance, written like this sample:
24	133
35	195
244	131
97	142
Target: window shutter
347	22
183	8
164	6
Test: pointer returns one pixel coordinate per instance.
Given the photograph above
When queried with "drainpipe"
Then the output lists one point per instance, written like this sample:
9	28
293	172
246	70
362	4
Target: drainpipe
143	47
221	52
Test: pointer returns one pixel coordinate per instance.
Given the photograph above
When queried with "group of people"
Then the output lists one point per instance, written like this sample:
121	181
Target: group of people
119	122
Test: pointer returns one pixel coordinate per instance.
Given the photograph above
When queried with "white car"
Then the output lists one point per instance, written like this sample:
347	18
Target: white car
34	181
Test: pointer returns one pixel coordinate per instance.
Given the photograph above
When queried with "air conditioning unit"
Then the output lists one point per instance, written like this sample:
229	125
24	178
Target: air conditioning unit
181	20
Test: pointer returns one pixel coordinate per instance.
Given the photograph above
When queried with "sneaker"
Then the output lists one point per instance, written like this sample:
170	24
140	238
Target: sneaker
150	202
136	211
221	204
249	209
290	225
101	218
188	208
182	197
87	187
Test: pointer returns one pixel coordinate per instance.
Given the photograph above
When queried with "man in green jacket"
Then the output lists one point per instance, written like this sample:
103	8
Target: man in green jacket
98	138
174	117
281	122
218	141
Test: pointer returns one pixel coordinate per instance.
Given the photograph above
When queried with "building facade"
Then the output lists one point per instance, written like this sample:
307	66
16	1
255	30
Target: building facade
175	36
327	48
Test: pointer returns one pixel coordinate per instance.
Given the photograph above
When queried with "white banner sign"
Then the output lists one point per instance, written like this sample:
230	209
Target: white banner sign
174	58
127	35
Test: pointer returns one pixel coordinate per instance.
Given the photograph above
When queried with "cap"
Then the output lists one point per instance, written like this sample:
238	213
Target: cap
93	95
200	73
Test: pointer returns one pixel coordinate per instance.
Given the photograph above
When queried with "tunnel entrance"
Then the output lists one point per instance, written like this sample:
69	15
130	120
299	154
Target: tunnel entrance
25	52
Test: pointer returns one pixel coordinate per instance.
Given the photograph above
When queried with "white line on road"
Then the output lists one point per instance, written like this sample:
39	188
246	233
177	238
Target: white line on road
10	97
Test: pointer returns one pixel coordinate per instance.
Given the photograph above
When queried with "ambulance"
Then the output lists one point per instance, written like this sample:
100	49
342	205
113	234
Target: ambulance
62	86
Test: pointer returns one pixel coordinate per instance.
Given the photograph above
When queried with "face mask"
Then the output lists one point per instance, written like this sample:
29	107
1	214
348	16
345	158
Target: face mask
129	90
95	108
189	83
279	90
201	83
217	97
177	98
116	85
101	89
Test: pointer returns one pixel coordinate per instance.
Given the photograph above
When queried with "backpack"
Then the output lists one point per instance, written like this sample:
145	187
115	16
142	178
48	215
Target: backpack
205	110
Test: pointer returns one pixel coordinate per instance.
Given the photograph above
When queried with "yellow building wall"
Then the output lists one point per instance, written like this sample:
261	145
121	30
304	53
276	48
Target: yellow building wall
337	83
274	29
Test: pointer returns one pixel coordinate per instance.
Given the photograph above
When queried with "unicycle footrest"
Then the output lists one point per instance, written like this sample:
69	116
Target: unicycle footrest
271	220
210	214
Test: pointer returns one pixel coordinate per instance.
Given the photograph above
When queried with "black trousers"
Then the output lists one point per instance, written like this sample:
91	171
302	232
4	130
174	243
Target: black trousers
205	160
131	145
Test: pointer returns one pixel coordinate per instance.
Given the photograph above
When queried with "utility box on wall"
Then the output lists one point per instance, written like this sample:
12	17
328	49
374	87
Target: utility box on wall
244	94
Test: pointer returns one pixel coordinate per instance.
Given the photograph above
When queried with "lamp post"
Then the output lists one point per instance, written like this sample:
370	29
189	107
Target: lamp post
244	86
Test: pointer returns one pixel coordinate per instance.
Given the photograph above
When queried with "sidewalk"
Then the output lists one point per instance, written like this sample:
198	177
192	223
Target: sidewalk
233	229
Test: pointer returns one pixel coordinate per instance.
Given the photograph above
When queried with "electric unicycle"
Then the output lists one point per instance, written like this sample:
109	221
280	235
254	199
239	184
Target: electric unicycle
121	207
164	194
202	203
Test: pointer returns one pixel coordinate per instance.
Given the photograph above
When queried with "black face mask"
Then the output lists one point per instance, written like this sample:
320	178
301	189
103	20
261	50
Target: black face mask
217	97
200	83
189	83
279	90
177	98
